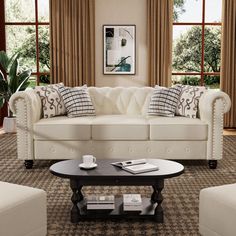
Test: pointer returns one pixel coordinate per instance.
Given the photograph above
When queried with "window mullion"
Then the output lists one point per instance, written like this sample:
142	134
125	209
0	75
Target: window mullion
203	42
37	41
2	26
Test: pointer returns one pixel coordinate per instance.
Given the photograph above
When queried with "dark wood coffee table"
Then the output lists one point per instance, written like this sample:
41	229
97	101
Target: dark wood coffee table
107	174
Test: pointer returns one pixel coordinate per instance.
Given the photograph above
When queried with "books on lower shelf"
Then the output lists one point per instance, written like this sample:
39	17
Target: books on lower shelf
136	166
132	202
98	202
98	199
108	206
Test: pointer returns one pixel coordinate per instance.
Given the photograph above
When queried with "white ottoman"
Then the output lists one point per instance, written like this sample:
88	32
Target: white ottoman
22	210
217	211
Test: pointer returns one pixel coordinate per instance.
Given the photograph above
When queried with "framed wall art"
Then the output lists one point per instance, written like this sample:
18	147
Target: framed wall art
119	49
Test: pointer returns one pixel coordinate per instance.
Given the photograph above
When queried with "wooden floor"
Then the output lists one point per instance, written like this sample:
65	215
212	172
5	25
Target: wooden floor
229	132
1	131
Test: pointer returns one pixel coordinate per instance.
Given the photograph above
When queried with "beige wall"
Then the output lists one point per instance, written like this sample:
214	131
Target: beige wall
121	12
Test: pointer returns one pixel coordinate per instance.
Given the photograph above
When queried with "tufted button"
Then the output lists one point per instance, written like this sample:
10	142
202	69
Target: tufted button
131	150
71	150
168	150
149	150
52	149
111	149
187	149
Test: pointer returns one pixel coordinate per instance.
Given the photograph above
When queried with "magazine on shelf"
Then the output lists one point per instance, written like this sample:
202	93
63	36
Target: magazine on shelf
132	202
129	163
136	166
132	199
100	199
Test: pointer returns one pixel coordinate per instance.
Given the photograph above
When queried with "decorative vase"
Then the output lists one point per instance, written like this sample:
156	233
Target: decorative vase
9	124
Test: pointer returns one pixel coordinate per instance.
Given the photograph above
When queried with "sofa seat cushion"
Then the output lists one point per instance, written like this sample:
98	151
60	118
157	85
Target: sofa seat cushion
120	127
63	128
177	128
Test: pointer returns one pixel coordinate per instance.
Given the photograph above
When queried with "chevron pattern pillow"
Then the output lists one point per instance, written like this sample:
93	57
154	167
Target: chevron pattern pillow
164	101
77	101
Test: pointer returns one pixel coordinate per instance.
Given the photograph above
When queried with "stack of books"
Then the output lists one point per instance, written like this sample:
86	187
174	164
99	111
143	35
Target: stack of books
132	202
96	202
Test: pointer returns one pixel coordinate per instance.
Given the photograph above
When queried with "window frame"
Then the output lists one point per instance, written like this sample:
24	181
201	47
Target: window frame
36	24
203	24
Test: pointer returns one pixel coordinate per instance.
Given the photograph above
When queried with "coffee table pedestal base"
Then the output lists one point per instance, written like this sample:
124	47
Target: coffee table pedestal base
148	212
151	207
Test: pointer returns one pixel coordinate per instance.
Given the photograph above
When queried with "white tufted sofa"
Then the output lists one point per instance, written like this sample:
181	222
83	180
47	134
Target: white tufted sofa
120	129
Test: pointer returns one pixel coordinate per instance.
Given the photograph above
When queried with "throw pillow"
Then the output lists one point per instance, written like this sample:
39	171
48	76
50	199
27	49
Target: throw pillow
77	101
188	101
164	101
52	102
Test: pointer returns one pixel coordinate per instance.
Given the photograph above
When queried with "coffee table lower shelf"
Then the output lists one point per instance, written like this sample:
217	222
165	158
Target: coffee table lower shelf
148	212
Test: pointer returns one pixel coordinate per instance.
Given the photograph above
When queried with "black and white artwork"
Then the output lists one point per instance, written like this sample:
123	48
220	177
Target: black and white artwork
119	49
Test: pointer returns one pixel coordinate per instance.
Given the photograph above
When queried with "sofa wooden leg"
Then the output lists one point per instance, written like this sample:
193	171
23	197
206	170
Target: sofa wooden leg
29	164
212	164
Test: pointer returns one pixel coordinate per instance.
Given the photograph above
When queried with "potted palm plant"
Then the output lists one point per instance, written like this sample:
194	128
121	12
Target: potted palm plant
12	79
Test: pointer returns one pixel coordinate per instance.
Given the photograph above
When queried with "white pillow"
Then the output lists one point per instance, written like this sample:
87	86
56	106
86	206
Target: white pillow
188	101
164	101
52	102
77	101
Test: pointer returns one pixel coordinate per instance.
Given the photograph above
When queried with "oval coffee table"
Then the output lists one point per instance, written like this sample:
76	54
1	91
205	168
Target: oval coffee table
109	175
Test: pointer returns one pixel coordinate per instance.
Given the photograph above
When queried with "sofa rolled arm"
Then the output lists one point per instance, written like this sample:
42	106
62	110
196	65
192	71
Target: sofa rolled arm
27	107
212	106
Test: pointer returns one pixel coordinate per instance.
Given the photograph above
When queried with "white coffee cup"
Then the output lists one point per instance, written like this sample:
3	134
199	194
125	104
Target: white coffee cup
88	160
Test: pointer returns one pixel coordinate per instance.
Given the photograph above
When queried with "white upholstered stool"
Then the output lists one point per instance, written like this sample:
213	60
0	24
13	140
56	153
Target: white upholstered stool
217	211
22	210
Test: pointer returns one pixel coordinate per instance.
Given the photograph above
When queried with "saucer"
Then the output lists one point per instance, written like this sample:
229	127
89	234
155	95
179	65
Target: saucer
88	167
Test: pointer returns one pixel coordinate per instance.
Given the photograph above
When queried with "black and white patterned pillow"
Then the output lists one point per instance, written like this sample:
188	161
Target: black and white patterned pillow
164	101
52	102
189	99
77	101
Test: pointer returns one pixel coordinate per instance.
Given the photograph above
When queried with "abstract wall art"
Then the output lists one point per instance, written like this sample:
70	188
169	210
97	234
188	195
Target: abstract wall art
119	49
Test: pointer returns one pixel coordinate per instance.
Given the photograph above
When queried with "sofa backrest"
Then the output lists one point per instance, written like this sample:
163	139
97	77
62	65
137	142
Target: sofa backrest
121	100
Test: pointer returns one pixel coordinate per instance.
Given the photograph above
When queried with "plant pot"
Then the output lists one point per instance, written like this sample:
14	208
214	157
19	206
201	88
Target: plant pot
9	124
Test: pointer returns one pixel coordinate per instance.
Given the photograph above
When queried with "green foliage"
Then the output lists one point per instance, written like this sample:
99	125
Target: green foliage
28	48
209	80
13	79
45	79
178	9
188	80
187	50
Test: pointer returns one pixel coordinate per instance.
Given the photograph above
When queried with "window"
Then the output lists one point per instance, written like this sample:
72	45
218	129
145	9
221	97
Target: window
27	31
196	42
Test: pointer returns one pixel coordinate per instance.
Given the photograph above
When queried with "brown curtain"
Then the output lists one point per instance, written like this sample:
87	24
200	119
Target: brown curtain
72	38
160	19
228	59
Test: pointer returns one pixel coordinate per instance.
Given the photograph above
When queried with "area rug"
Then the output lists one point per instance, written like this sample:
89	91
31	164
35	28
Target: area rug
181	194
